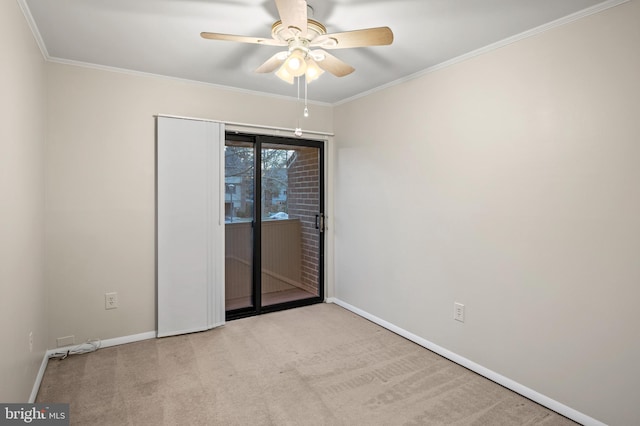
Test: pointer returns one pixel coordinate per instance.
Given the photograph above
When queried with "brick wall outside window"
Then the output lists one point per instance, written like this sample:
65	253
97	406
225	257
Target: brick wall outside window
303	204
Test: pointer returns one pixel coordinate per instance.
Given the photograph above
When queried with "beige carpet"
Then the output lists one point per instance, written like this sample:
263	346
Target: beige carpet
317	365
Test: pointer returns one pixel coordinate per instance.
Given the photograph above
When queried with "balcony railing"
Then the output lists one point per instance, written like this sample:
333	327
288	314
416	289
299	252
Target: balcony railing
281	258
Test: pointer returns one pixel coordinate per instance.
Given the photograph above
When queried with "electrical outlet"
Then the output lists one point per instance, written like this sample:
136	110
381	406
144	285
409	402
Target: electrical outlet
111	300
31	341
458	311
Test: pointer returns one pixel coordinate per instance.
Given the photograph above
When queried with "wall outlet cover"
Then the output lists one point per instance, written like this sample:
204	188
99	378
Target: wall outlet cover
111	300
458	311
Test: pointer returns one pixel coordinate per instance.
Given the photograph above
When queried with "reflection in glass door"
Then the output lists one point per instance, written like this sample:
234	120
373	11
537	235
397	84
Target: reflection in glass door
274	224
239	186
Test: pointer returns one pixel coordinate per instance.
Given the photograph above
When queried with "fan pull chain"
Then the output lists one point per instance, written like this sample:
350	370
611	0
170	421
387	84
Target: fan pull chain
306	110
298	130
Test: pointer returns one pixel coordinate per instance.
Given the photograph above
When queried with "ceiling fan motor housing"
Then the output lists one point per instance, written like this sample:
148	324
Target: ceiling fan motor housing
314	29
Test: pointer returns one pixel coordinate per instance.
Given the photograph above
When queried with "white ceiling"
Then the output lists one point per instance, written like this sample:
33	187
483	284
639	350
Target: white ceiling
163	36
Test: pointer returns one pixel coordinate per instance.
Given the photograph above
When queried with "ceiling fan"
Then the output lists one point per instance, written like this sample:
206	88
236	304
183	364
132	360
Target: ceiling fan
306	41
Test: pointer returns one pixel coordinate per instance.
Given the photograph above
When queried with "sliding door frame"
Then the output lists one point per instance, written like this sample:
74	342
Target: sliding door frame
258	141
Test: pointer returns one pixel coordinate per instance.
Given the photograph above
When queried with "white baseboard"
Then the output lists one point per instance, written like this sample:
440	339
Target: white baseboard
489	374
103	344
36	385
127	339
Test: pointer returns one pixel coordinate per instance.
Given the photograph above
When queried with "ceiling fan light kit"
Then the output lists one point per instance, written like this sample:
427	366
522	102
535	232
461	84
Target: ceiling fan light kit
296	63
300	35
284	75
313	71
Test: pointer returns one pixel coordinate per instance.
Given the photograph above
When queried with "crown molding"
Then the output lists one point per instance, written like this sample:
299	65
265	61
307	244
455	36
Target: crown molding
491	47
34	28
481	51
177	79
45	54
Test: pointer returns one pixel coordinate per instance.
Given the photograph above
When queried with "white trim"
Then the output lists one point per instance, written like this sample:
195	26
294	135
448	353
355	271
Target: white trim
38	381
103	344
233	126
181	117
493	46
483	371
242	127
116	341
108	68
509	40
34	28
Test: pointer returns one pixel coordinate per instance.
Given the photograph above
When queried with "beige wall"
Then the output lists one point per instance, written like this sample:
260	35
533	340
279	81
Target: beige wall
22	137
508	182
100	188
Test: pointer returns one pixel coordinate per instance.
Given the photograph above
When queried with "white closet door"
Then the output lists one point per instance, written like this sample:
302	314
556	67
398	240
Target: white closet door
190	225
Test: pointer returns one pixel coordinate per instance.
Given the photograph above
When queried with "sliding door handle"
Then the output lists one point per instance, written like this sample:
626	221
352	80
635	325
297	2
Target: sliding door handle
320	222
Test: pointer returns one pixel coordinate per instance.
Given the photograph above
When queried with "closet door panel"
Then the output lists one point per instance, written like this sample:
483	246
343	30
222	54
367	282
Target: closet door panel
189	233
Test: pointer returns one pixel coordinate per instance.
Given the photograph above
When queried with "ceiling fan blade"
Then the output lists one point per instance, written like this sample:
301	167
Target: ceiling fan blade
293	14
272	63
242	39
332	64
380	36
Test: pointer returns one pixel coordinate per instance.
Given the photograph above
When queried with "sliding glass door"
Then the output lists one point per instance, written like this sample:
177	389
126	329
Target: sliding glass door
273	223
239	220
